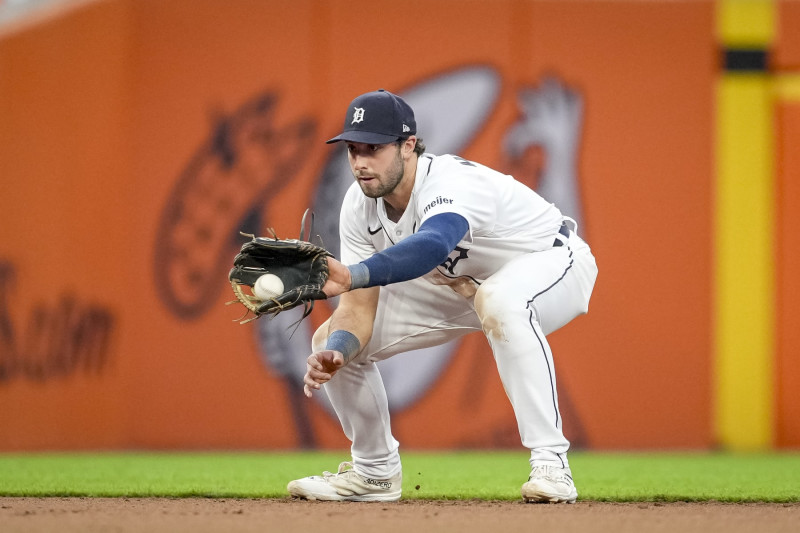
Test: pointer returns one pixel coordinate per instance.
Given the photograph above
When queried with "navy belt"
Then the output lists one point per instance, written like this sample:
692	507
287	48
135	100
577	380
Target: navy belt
563	230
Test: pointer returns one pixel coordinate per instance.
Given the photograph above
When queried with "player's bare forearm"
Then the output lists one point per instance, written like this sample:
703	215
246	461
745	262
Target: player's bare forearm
356	313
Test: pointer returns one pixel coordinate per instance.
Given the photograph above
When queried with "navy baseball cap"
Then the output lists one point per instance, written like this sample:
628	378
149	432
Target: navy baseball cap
378	117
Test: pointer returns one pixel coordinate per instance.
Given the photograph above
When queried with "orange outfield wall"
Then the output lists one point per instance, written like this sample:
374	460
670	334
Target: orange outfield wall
788	284
139	137
786	66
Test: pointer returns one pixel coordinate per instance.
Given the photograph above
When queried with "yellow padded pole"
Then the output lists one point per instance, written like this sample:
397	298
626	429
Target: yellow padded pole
744	215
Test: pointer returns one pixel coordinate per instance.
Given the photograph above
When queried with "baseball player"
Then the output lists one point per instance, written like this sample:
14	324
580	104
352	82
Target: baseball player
432	248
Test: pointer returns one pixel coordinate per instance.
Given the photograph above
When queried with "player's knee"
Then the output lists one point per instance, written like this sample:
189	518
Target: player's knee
489	306
490	311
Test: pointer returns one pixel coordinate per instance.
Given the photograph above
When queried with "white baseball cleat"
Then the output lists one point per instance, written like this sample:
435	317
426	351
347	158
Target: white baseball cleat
549	484
347	485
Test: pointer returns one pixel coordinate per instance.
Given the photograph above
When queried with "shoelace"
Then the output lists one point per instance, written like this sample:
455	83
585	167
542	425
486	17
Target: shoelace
557	475
345	466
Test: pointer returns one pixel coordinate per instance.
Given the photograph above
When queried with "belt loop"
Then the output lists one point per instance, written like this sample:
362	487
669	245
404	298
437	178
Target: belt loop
574	223
563	235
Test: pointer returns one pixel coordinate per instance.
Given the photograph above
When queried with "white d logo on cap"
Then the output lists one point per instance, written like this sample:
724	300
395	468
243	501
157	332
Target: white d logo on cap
358	115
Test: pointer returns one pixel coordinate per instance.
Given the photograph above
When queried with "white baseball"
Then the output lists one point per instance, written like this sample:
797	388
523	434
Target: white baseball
268	286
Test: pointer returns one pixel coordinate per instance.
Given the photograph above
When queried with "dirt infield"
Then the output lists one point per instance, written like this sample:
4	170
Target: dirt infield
33	515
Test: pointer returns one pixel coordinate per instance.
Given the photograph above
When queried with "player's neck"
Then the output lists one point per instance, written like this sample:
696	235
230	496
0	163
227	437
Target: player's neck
396	202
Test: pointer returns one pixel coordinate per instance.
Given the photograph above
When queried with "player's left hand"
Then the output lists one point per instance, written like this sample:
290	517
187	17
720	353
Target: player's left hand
339	279
320	368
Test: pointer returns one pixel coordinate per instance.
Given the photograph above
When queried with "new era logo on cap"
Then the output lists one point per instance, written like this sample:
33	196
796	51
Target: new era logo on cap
377	117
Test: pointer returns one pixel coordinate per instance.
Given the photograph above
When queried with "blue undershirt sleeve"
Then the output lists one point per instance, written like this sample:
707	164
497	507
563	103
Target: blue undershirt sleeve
414	256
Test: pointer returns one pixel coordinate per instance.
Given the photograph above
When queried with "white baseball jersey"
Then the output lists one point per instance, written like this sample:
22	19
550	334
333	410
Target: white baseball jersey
506	218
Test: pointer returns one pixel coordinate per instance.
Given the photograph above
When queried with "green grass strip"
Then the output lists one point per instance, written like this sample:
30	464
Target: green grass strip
615	477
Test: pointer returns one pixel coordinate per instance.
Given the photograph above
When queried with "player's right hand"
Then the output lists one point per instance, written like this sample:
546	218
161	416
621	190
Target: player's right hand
320	368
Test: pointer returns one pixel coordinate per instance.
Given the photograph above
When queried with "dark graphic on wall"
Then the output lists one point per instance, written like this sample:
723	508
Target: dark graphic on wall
61	337
247	158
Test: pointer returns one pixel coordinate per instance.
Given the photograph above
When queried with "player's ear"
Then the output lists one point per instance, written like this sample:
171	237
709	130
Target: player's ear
408	146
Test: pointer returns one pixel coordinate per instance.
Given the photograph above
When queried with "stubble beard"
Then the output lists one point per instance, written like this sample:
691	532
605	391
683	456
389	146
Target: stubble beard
390	181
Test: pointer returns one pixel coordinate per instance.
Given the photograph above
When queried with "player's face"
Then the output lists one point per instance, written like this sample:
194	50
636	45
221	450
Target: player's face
378	168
